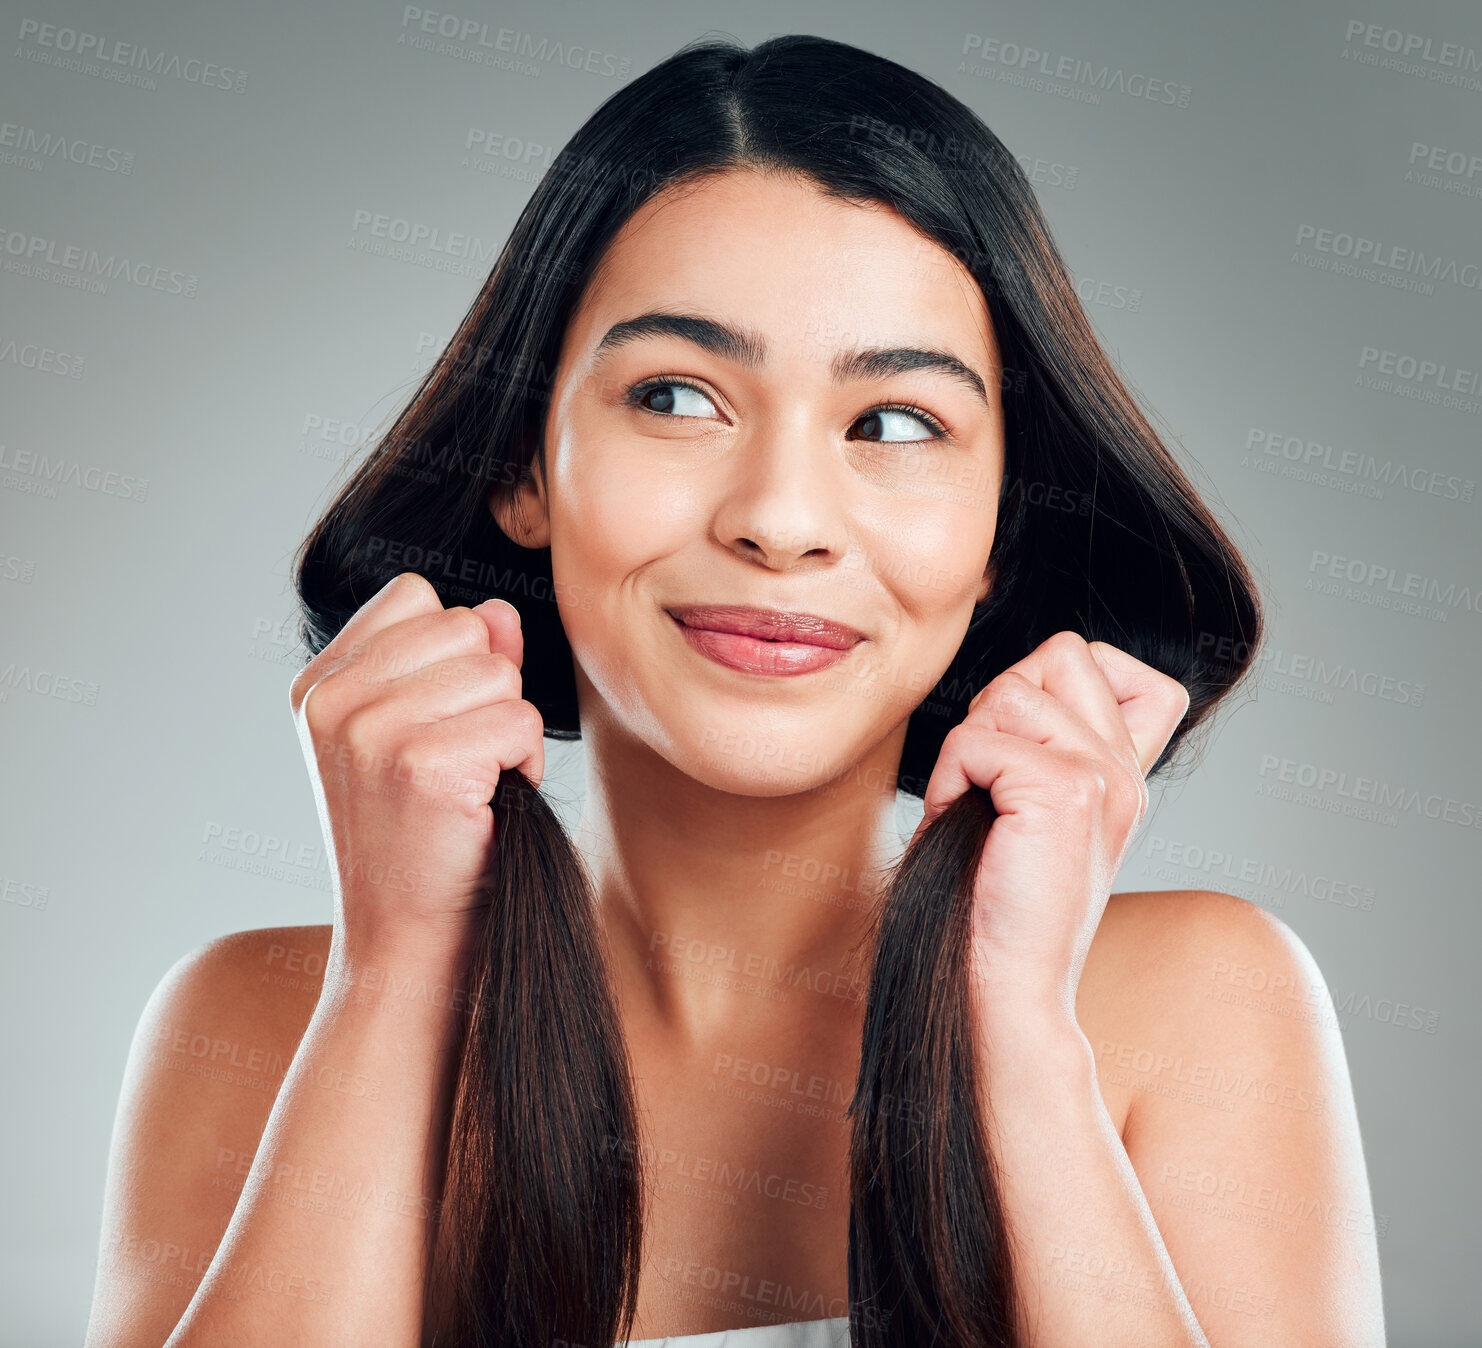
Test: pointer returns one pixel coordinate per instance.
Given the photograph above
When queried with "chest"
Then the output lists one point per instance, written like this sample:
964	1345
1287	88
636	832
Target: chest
748	1217
746	1148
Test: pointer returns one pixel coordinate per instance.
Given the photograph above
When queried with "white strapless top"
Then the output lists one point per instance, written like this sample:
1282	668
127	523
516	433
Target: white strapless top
795	1334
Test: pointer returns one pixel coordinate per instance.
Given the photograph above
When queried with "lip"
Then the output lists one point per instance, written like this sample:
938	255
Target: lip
764	640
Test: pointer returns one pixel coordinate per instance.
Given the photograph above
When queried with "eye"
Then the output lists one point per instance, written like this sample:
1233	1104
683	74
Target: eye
881	422
669	397
890	423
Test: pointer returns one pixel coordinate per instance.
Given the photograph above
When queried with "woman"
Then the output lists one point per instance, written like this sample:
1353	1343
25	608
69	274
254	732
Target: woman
781	425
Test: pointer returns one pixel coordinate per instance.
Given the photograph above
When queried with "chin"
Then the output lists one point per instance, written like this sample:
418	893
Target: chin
757	780
790	752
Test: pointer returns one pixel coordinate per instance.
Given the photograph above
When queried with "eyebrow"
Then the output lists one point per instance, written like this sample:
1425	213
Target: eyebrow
750	349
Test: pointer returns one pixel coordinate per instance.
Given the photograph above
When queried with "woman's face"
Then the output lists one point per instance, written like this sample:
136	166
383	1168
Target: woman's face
746	457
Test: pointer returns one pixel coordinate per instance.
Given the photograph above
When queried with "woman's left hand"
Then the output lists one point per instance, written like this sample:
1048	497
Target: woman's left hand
1062	742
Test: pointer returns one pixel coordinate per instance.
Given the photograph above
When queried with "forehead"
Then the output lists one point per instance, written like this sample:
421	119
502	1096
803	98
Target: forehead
773	253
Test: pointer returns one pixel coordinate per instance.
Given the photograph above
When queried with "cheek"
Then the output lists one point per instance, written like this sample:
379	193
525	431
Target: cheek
614	522
610	516
929	559
931	555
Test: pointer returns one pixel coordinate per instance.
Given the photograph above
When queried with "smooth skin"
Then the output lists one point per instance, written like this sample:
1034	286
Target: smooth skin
1180	1160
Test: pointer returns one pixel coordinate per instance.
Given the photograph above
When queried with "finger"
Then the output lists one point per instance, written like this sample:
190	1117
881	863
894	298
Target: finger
446	688
413	644
479	744
1151	703
1014	704
407	594
1065	668
505	631
433	636
980	755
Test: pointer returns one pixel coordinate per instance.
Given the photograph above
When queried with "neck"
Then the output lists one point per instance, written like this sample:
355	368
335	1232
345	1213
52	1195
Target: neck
724	912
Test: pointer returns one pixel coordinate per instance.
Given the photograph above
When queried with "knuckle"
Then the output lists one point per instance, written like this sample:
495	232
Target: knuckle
1130	793
468	626
1011	692
991	694
359	730
1084	785
533	723
1016	688
415	583
316	705
506	672
1067	642
416	763
955	739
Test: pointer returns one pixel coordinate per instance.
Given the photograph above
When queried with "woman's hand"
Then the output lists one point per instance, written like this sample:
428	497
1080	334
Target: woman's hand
1062	742
407	718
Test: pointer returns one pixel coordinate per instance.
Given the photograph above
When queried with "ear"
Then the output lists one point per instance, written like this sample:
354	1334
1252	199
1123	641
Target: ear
520	509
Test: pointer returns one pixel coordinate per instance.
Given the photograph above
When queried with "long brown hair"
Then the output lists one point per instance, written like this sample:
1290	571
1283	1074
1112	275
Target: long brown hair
1099	530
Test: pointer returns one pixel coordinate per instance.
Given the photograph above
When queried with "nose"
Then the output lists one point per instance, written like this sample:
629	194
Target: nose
785	501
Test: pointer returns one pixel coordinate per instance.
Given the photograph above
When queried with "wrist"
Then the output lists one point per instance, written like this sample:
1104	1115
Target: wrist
1035	1032
402	968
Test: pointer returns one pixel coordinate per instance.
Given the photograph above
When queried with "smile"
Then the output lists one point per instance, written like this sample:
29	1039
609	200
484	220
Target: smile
764	641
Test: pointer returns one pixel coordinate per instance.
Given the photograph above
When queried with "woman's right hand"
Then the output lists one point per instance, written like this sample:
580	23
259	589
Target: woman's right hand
407	718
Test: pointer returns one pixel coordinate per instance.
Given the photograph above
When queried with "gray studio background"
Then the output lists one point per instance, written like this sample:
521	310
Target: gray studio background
164	446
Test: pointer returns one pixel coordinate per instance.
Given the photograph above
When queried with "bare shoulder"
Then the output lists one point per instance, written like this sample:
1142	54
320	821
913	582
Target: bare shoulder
1141	930
252	992
1158	981
1211	1021
210	1051
1161	952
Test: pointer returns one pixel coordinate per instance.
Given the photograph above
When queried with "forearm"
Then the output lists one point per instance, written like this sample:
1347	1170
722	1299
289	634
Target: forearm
356	1131
1089	1263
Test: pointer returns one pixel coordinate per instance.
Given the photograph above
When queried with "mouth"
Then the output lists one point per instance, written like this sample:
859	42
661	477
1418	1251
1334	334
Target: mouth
768	624
762	640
